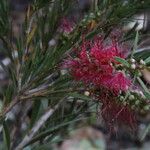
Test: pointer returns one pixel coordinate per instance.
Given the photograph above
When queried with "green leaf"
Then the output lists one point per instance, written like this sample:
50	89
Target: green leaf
80	96
147	95
31	34
35	112
4	67
135	44
146	91
147	60
4	17
146	131
6	135
122	61
46	146
41	3
51	130
142	54
8	94
136	40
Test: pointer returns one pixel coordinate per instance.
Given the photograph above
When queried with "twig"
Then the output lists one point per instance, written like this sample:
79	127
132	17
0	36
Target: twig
8	108
38	125
16	100
45	92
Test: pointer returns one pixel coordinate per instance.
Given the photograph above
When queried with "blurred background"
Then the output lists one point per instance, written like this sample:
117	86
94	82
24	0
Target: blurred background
88	137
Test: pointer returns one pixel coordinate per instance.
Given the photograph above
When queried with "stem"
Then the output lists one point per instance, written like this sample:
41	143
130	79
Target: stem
45	92
16	100
38	125
8	108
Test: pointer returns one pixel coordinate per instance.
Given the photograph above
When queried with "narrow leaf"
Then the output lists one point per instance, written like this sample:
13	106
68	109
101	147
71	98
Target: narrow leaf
51	130
35	112
122	61
135	44
80	96
147	95
147	60
30	36
146	131
146	91
6	135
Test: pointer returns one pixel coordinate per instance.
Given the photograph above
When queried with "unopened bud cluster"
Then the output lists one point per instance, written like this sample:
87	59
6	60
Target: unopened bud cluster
88	18
136	100
137	65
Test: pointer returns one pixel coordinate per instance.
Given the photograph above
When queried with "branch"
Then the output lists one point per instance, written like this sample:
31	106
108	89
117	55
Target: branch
43	92
35	94
38	125
9	107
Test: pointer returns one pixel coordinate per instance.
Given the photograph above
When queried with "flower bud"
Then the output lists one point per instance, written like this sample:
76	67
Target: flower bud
139	74
133	66
131	97
140	93
142	62
143	96
137	102
121	98
132	60
146	108
98	13
86	93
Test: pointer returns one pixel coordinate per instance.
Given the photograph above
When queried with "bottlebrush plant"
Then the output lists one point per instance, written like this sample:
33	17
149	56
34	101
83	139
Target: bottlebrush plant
61	66
109	78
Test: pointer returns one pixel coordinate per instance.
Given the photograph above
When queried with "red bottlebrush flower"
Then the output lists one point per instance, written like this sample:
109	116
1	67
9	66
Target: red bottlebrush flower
94	63
94	66
117	83
66	25
114	112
